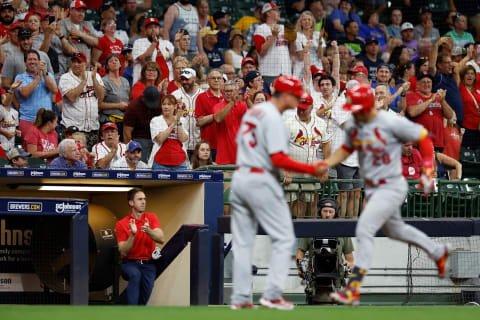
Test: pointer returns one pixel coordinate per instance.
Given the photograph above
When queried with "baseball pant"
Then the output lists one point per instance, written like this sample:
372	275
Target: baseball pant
383	212
257	198
141	278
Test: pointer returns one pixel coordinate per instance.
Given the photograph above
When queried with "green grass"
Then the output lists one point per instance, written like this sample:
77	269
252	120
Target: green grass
224	313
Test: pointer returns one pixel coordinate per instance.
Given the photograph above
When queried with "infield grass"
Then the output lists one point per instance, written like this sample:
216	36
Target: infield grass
224	313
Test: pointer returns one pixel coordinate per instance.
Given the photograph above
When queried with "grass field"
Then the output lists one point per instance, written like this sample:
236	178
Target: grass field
224	313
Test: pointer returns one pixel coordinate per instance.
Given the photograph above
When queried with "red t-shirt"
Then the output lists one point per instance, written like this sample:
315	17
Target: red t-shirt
3	30
170	153
44	142
227	132
412	165
431	118
413	84
93	4
137	90
204	107
171	87
452	142
107	46
471	116
143	245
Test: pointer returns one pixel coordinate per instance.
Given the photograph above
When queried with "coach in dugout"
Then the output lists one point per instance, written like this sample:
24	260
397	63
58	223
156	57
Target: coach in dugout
137	236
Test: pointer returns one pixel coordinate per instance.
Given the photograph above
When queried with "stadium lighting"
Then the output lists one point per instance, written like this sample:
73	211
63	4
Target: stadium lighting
84	188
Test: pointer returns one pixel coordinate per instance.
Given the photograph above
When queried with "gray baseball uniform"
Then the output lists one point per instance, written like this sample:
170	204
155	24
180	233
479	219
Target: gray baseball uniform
257	197
379	144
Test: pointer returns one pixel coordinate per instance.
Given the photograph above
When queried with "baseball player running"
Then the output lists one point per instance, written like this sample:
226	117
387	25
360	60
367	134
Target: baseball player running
378	137
257	197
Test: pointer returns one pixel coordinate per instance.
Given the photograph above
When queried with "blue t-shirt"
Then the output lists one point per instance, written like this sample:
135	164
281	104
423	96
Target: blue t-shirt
41	97
394	104
453	97
222	39
215	57
368	32
343	17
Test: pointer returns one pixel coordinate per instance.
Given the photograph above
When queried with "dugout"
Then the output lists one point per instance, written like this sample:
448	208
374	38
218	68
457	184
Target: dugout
177	198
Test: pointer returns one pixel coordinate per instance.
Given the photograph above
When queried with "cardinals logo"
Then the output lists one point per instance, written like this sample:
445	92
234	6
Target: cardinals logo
379	137
299	136
317	132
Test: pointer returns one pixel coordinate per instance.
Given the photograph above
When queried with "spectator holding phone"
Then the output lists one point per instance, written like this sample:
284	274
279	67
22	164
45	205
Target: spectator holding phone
168	135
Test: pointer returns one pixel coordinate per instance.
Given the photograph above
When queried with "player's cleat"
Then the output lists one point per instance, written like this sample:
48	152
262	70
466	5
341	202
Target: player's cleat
246	305
346	296
279	304
442	263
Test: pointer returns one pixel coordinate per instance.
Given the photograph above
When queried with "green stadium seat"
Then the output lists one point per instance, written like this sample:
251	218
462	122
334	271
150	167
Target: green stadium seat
470	160
3	162
417	205
457	201
36	163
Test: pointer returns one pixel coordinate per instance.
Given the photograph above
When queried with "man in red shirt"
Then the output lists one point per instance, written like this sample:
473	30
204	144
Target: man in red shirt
204	109
228	116
412	161
137	235
7	15
428	109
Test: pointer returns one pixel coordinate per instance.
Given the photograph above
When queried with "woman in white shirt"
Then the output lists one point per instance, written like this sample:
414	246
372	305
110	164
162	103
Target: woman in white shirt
306	32
235	54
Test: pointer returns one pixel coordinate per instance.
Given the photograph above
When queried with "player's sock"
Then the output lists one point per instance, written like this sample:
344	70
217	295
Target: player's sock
355	278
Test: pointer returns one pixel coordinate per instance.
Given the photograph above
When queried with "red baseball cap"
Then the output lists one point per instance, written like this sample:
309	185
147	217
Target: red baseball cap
269	6
15	25
109	125
80	56
305	101
78	4
289	84
151	20
31	13
357	69
248	60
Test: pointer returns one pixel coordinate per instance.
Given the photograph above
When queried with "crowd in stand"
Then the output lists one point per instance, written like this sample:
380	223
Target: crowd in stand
169	92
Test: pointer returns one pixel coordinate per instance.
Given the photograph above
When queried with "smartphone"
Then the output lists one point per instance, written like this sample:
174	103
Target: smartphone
51	19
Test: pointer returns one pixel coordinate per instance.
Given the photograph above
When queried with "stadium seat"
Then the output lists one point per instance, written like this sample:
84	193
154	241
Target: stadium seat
3	162
457	201
470	160
36	163
417	206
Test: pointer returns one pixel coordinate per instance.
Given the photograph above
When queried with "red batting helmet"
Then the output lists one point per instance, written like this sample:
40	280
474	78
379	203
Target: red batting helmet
360	98
289	84
305	101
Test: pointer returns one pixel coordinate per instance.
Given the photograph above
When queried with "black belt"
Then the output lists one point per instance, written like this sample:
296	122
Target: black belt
139	261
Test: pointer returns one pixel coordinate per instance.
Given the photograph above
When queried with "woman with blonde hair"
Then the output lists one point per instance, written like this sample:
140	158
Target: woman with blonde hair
179	64
306	33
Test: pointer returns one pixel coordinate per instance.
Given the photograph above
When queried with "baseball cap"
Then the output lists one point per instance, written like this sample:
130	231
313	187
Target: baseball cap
219	15
425	9
78	4
424	74
80	56
251	75
406	26
16	152
371	40
71	129
248	60
358	69
207	31
235	32
305	101
150	21
7	5
24	33
385	65
188	73
269	6
314	70
126	48
31	13
289	84
15	25
109	125
151	95
134	145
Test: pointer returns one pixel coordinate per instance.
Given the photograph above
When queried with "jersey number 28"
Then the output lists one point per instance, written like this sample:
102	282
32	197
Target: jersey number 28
251	130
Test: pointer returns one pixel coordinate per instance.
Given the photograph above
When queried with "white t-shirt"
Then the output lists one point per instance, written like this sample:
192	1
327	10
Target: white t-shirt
83	112
8	121
122	164
141	45
101	150
188	110
300	43
277	59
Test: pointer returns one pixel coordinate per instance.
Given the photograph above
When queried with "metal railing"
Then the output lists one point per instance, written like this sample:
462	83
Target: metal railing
450	199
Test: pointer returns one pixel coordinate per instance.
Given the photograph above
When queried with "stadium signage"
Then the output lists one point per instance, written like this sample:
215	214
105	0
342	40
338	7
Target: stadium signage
185	176
164	176
58	173
205	177
123	175
15	173
15	206
101	174
34	173
79	174
143	175
65	207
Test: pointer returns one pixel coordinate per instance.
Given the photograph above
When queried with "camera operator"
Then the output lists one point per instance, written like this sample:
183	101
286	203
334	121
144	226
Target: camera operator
327	209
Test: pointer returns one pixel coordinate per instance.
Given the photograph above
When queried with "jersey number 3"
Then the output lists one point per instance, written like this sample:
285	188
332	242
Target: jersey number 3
251	130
